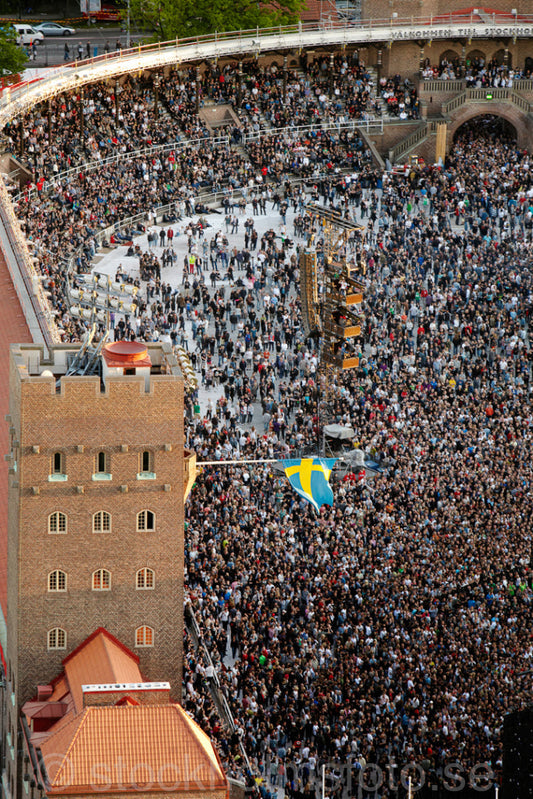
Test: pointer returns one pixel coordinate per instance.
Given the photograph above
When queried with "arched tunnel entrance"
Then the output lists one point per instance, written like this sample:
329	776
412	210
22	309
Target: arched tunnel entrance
487	126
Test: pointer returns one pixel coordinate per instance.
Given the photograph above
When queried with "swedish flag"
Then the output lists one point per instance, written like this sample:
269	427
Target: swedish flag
310	478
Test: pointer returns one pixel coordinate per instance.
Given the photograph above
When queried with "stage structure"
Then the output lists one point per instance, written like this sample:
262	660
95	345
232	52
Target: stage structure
331	292
93	297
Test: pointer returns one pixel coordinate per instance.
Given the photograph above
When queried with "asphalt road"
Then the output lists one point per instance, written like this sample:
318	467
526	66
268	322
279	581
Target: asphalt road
51	50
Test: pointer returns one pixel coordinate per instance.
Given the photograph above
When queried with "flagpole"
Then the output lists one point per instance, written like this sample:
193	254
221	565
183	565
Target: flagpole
253	460
248	460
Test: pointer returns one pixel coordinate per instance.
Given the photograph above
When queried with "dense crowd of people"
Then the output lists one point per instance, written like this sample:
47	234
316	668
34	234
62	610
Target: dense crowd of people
400	97
475	71
394	626
106	120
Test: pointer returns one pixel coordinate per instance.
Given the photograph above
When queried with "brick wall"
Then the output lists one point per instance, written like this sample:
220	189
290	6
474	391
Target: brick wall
80	421
522	123
383	9
392	135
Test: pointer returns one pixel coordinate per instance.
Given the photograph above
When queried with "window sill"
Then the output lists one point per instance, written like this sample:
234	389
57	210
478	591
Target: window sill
102	476
146	476
57	478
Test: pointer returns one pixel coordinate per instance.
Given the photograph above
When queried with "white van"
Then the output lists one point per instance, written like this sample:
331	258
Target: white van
26	35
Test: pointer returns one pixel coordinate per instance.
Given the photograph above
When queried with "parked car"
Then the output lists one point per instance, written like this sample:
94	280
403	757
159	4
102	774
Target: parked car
55	29
27	35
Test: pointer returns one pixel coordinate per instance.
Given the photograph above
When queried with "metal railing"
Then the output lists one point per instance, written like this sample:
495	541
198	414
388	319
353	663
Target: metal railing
487	94
145	152
28	274
521	103
410	141
523	85
434	86
19	97
132	222
217	692
369	126
454	103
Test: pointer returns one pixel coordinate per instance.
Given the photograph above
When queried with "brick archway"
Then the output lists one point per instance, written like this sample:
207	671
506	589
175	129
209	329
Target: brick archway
520	121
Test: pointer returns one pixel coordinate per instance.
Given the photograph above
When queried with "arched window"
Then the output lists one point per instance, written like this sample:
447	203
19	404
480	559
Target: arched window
57	581
145	521
475	58
101	462
499	57
145	579
57	522
101	580
450	57
57	638
144	636
102	522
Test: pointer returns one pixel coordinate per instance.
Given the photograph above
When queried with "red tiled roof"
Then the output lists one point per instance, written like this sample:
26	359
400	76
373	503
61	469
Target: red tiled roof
314	10
127	747
477	13
101	658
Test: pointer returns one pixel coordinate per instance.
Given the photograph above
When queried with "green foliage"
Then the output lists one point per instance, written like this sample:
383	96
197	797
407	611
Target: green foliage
12	58
183	18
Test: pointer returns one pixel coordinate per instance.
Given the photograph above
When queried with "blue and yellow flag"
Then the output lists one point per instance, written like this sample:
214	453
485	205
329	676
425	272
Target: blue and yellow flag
310	478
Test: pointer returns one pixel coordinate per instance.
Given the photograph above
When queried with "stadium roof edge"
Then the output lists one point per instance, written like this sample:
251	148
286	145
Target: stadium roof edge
19	98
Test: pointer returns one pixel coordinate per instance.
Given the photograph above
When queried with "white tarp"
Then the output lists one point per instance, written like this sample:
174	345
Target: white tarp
339	432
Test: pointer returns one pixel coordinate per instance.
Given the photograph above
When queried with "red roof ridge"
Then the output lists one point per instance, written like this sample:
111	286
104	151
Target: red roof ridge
106	634
76	723
148	724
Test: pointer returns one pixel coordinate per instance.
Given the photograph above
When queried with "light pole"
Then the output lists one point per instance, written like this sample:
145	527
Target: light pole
156	96
128	33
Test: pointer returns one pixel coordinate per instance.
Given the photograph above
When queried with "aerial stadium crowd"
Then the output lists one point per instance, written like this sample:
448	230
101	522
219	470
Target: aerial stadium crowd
395	626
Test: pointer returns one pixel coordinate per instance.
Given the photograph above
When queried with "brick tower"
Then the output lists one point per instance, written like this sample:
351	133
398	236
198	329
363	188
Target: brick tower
96	493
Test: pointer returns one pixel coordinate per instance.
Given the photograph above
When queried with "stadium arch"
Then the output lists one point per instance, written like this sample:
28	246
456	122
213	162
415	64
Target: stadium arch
521	122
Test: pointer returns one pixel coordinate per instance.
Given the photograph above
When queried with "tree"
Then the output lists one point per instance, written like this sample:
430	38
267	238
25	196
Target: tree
183	18
12	57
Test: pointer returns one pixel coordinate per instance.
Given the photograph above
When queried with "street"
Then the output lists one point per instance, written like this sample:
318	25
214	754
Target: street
51	51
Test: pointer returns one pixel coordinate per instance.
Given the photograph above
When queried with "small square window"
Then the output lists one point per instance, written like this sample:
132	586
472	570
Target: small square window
102	467
58	470
146	466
